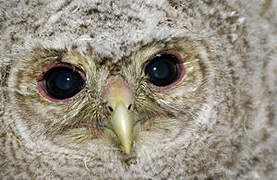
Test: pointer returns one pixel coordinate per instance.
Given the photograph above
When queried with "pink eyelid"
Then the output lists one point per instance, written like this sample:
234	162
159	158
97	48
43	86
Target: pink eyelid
180	67
41	82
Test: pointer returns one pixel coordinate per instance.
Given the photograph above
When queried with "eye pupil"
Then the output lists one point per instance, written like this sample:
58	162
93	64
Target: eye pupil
162	70
63	82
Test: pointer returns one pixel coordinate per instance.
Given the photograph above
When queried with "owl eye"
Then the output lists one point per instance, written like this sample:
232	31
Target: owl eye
60	82
165	69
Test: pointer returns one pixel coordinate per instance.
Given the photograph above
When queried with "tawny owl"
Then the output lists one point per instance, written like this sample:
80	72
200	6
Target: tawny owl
162	89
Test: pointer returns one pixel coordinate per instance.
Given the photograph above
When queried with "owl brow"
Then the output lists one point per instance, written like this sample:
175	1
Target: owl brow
55	58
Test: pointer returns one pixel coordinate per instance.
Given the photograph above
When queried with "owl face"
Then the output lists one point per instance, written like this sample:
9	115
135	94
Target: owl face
150	97
137	89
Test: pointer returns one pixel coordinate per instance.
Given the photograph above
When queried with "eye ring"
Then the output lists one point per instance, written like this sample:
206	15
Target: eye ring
161	76
76	76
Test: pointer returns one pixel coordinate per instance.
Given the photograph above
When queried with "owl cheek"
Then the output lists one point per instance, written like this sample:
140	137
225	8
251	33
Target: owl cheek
146	125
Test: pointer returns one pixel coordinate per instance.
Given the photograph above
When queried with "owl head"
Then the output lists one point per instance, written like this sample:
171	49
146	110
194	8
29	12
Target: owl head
137	90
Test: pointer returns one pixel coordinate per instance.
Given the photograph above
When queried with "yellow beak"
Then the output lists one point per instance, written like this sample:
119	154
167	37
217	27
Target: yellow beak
119	97
122	124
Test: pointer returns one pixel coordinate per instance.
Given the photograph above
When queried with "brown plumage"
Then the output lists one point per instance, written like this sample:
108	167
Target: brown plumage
213	116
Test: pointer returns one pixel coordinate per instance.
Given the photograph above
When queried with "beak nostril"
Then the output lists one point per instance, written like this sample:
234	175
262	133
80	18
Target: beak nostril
130	106
110	108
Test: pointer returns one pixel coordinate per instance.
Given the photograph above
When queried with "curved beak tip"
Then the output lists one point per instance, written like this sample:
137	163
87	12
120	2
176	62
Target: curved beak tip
127	148
122	124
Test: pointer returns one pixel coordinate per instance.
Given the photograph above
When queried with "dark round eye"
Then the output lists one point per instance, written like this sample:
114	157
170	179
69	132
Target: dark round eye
164	69
61	82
